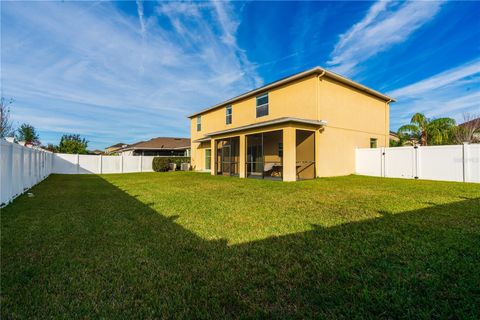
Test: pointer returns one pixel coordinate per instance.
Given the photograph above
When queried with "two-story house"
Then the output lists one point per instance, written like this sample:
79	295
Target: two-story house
301	127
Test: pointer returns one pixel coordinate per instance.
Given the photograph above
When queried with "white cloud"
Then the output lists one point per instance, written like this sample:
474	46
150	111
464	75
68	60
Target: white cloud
91	69
447	94
141	17
385	25
438	81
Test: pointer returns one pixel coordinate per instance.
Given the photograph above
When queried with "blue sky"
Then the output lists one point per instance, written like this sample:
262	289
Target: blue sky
128	71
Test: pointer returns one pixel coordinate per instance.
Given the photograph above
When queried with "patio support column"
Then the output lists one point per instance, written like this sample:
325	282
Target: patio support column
289	154
213	157
317	153
242	157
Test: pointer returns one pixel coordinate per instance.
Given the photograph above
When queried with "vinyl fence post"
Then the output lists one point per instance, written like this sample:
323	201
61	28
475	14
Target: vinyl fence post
78	163
121	163
417	161
382	161
22	169
465	161
141	162
10	172
101	164
29	168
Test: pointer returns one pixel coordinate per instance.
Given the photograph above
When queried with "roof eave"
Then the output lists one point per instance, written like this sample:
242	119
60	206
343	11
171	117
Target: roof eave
319	123
316	70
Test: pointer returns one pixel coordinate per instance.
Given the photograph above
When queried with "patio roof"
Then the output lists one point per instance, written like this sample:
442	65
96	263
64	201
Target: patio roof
208	136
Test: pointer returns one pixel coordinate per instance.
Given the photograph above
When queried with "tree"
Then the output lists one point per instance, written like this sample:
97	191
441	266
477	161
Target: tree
28	133
72	143
6	127
468	130
50	147
428	131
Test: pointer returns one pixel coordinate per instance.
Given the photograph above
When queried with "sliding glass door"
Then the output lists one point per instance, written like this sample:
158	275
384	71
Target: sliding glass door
265	155
255	156
208	159
228	154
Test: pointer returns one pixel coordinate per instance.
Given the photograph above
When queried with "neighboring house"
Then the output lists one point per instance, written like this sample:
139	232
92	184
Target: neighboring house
473	125
161	146
114	148
394	136
303	126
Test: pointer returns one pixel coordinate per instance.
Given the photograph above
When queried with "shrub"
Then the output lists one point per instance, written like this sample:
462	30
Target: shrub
160	164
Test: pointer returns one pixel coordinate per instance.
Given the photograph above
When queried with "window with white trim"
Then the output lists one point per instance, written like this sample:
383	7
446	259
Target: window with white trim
199	123
262	105
228	114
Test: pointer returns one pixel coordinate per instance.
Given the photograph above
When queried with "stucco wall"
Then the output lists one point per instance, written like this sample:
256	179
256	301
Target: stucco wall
297	99
353	118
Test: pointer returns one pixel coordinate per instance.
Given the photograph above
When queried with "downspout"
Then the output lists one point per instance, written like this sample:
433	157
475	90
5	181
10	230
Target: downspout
387	120
317	134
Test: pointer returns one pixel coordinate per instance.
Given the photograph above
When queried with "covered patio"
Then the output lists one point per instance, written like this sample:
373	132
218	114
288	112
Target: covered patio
283	149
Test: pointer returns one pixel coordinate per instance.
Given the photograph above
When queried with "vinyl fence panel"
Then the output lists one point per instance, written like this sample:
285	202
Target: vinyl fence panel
131	164
147	163
21	168
472	163
65	163
447	163
441	163
89	164
369	162
94	164
111	164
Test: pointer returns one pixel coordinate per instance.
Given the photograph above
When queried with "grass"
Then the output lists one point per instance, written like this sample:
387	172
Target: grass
188	245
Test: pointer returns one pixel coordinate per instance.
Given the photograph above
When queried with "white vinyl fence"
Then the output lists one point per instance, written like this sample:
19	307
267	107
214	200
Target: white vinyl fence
85	164
449	163
21	168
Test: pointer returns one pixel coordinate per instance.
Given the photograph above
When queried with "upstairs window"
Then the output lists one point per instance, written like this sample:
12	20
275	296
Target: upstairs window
262	105
199	123
373	143
228	115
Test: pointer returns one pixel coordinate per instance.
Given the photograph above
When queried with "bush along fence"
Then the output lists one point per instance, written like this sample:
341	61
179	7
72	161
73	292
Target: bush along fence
162	164
22	167
449	163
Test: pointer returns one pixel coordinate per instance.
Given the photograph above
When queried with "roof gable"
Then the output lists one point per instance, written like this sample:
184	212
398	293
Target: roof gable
317	70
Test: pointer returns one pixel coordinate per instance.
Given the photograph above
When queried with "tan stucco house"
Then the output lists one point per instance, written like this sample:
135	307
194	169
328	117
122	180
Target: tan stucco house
304	126
114	148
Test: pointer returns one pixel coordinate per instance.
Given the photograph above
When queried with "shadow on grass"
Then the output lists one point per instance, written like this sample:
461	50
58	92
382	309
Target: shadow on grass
91	250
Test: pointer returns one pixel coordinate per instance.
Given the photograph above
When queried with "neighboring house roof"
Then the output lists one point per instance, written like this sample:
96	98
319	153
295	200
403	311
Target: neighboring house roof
160	143
117	145
394	136
264	124
300	75
475	122
393	133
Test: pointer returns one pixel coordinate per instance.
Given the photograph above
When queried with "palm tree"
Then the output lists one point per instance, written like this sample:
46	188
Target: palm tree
427	131
27	133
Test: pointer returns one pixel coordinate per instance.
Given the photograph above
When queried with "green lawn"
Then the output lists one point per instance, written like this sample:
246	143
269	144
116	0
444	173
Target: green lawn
189	245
